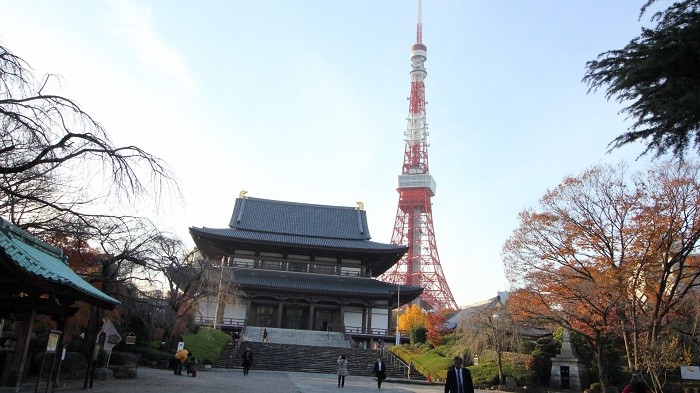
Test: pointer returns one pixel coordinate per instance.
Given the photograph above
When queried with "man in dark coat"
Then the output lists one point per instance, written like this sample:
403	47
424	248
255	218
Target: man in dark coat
459	379
247	360
379	371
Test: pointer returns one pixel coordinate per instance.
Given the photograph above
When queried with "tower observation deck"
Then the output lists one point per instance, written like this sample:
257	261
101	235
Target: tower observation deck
414	217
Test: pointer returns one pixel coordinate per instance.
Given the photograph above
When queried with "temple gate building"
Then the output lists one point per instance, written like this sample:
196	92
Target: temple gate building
305	267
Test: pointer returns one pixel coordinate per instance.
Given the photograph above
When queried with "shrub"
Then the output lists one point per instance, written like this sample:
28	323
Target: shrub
419	334
541	364
527	346
101	357
155	354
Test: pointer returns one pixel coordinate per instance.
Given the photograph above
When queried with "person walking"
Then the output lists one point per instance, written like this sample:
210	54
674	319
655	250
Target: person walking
247	360
459	379
379	371
236	339
342	371
409	370
264	334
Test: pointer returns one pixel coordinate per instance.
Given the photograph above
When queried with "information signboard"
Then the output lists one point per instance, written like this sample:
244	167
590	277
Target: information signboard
690	372
52	344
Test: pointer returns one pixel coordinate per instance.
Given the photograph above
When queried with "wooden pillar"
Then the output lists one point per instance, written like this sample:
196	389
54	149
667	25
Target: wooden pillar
364	320
19	360
310	325
369	319
342	317
248	308
279	313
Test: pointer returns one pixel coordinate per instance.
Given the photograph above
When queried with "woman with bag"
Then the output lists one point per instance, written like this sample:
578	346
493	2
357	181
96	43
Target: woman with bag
342	371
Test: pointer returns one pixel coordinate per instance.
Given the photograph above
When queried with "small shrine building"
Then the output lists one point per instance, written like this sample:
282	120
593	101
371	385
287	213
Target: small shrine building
35	280
303	266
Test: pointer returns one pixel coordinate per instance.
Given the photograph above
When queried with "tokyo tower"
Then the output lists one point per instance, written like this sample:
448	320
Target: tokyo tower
413	227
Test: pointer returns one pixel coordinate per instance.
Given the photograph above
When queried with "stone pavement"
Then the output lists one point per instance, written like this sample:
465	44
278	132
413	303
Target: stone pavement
163	381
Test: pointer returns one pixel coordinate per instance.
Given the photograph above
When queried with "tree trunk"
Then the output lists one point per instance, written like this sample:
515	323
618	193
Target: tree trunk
628	350
602	367
499	357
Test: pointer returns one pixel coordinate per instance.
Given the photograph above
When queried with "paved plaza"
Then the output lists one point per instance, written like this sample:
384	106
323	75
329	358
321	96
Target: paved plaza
163	381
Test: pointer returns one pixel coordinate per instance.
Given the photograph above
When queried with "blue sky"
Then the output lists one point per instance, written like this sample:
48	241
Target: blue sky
305	101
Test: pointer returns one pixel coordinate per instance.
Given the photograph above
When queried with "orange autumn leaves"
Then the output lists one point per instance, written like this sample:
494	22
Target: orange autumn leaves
414	316
609	253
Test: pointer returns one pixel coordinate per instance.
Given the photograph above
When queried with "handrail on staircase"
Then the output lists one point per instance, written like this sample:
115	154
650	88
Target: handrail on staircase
394	360
236	345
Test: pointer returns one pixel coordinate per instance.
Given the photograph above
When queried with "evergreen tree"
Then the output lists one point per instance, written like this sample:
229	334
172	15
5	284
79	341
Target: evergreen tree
657	75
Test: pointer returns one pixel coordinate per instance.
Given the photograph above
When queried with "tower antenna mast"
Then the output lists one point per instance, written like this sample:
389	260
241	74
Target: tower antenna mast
414	216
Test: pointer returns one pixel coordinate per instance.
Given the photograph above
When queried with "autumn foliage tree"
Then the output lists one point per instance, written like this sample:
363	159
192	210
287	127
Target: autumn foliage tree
608	254
435	324
413	316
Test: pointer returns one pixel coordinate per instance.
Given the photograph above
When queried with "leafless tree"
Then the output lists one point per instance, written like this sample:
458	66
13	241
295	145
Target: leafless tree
190	278
489	326
57	162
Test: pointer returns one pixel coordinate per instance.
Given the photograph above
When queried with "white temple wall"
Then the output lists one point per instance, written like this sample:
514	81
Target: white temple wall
206	308
235	311
353	316
380	318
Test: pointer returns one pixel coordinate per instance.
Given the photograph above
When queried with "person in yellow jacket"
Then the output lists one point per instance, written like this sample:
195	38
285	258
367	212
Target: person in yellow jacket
180	358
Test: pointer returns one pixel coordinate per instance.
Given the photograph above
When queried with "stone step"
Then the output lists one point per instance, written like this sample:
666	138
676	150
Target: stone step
304	358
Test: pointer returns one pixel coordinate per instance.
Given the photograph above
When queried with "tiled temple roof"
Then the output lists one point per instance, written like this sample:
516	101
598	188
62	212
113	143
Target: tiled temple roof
40	259
308	283
298	227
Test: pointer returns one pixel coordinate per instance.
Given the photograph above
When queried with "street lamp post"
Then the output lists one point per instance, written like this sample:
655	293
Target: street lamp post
398	308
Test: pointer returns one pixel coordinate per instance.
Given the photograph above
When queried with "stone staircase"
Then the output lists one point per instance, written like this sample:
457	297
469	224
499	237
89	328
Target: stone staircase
227	356
305	358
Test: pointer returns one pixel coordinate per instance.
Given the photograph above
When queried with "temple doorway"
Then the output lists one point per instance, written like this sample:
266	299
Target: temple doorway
293	318
263	315
323	319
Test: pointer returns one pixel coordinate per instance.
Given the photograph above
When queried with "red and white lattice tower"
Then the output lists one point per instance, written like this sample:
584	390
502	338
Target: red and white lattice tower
414	216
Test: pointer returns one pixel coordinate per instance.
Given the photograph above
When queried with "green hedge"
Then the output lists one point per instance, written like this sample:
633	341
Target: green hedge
486	373
206	345
154	353
426	361
437	361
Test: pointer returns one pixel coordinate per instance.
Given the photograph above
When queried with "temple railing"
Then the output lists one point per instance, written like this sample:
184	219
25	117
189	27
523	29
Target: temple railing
365	330
328	270
229	322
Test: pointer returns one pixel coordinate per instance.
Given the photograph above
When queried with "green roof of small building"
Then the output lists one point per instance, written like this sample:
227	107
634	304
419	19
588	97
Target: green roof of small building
43	260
